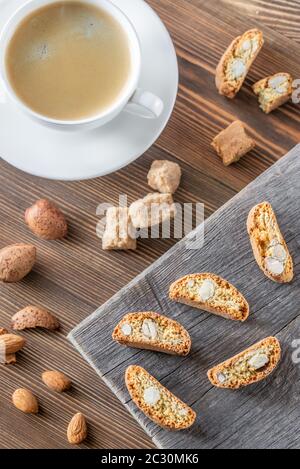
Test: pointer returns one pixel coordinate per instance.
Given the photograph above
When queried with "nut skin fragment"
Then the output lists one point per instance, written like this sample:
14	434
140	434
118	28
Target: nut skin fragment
24	400
233	143
16	261
180	291
270	97
164	344
164	176
137	380
152	210
56	380
261	236
229	86
46	220
32	317
118	234
257	375
77	429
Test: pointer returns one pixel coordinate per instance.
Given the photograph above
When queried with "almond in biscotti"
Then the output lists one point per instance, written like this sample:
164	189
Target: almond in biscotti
152	331
157	402
152	210
119	232
236	62
269	247
16	261
248	367
46	220
164	176
274	91
210	293
233	143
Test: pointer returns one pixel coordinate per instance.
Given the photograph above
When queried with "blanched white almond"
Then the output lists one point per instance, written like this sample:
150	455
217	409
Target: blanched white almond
126	329
221	378
149	329
207	290
274	266
238	68
278	252
277	81
259	360
151	395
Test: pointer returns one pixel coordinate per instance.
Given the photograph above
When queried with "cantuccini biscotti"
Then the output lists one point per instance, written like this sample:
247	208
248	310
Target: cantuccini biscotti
269	247
274	91
248	367
156	401
152	331
236	62
233	142
211	293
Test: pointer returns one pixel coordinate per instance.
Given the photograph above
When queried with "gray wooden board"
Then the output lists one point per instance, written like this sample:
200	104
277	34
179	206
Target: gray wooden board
265	415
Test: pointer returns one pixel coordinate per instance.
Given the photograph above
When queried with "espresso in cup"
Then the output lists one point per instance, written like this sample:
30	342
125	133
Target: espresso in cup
69	60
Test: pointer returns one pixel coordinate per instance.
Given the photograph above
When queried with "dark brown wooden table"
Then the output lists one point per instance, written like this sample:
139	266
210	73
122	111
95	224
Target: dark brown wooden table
73	277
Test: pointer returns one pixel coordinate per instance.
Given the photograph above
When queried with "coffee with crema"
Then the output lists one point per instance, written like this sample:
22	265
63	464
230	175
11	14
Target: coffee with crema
69	60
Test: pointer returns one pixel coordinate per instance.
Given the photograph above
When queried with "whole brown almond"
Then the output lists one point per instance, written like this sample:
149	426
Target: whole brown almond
10	343
77	429
24	400
32	317
56	380
46	220
16	261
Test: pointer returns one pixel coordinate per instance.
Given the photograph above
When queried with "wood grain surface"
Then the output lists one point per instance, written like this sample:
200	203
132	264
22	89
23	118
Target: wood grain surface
72	278
244	419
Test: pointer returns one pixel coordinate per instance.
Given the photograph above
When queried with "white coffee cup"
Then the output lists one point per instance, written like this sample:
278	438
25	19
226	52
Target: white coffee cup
134	100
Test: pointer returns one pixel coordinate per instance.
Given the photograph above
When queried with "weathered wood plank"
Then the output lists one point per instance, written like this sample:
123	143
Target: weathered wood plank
227	252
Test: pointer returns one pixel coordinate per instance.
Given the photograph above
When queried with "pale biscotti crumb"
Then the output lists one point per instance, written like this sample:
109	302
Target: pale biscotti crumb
157	402
211	293
153	331
236	62
269	247
248	367
164	176
119	232
152	210
274	91
233	143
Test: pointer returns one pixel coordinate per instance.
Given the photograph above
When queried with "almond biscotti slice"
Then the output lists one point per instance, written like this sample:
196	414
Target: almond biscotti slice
211	293
156	401
236	62
274	91
269	247
248	367
153	331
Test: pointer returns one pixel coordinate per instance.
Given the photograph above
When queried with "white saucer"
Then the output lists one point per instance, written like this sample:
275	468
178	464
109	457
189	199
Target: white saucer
72	156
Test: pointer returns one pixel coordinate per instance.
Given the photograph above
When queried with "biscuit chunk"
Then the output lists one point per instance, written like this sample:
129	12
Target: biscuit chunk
164	176
152	331
274	91
210	293
152	210
248	367
269	247
119	232
233	143
236	62
156	401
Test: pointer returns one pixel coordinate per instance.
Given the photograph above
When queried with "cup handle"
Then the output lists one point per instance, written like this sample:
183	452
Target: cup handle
145	104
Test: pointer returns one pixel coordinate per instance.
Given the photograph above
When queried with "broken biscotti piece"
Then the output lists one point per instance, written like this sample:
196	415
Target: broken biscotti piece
248	367
269	247
233	143
211	293
119	232
152	210
152	331
274	91
164	176
157	402
236	62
